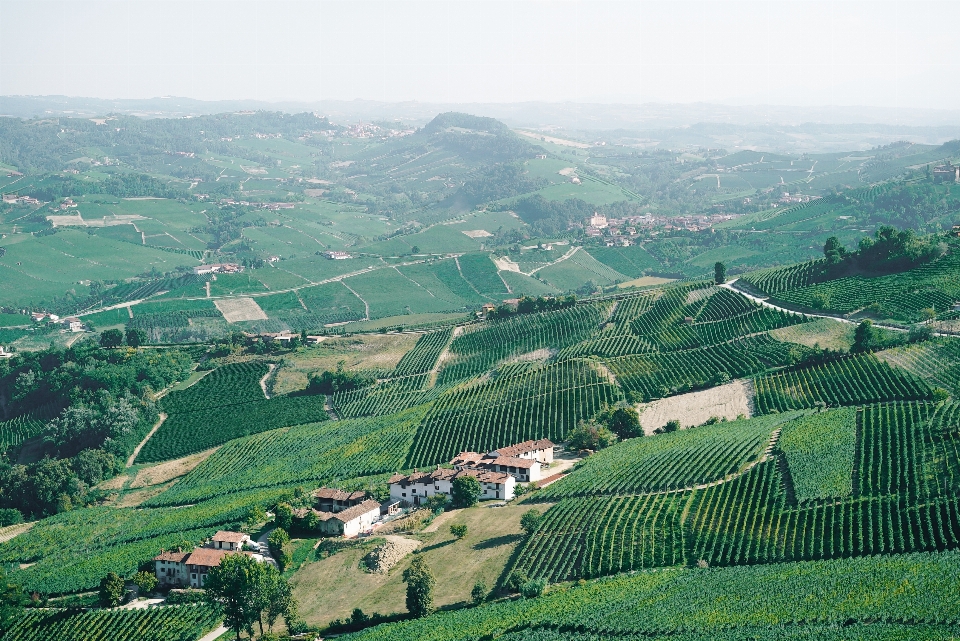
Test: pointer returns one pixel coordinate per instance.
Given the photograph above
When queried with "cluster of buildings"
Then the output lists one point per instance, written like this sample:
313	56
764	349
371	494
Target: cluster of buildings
626	231
14	199
179	569
497	471
347	514
71	323
247	203
218	268
336	255
787	197
947	172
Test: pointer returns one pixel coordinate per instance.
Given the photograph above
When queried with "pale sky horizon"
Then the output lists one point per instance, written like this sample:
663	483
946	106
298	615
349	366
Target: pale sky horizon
891	54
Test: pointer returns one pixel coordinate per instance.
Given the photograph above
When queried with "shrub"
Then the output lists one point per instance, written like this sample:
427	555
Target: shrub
459	530
533	589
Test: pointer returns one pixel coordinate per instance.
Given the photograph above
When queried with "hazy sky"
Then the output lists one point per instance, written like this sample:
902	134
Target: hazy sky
789	52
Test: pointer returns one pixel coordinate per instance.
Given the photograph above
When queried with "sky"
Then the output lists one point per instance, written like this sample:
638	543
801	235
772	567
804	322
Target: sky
895	54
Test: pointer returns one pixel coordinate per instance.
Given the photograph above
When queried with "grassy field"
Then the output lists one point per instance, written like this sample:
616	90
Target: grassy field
332	588
825	333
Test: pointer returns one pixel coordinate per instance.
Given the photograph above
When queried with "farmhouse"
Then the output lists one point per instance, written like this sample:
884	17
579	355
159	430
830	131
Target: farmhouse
74	324
349	522
4	353
333	500
231	541
177	569
218	268
419	486
521	461
336	255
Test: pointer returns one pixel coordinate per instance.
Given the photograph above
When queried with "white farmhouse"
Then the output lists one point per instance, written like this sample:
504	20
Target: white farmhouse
419	486
349	522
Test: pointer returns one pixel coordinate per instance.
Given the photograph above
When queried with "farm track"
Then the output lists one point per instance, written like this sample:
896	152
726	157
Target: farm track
136	451
263	381
837	317
570	252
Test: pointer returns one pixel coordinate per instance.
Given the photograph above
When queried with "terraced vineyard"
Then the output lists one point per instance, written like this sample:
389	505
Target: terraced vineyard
797	597
169	623
424	354
669	462
846	381
936	361
226	385
481	347
591	537
537	402
338	450
189	432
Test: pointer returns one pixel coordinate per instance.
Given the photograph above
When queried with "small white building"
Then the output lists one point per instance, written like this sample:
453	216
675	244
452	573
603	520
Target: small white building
419	486
540	450
230	541
352	521
73	324
4	353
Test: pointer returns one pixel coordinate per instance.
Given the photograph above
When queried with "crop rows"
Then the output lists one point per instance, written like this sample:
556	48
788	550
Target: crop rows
846	381
591	537
480	348
386	398
805	632
226	385
936	361
669	461
735	523
190	432
540	402
781	279
17	430
74	550
901	296
671	601
819	452
424	354
314	453
169	623
656	375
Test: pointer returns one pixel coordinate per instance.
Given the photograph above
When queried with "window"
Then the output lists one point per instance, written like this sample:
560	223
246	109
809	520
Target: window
498	494
403	494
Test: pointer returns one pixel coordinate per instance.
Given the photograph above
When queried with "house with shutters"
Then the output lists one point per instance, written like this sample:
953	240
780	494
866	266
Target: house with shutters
416	488
523	461
348	522
181	569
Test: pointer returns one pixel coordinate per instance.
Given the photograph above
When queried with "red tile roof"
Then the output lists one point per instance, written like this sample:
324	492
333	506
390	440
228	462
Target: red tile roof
207	557
172	556
523	448
229	537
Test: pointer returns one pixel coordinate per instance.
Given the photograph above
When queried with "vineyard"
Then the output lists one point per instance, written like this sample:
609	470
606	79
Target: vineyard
882	479
846	381
670	461
424	354
533	403
170	623
596	536
226	385
936	361
340	450
73	550
703	601
190	432
481	347
819	452
900	296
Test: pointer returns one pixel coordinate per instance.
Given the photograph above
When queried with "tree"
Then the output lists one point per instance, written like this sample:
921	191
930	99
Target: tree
833	251
516	580
533	588
277	539
111	338
590	436
479	592
529	521
420	583
136	337
112	589
280	601
719	273
437	503
465	491
233	586
145	581
625	423
672	426
12	601
283	516
459	530
864	337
